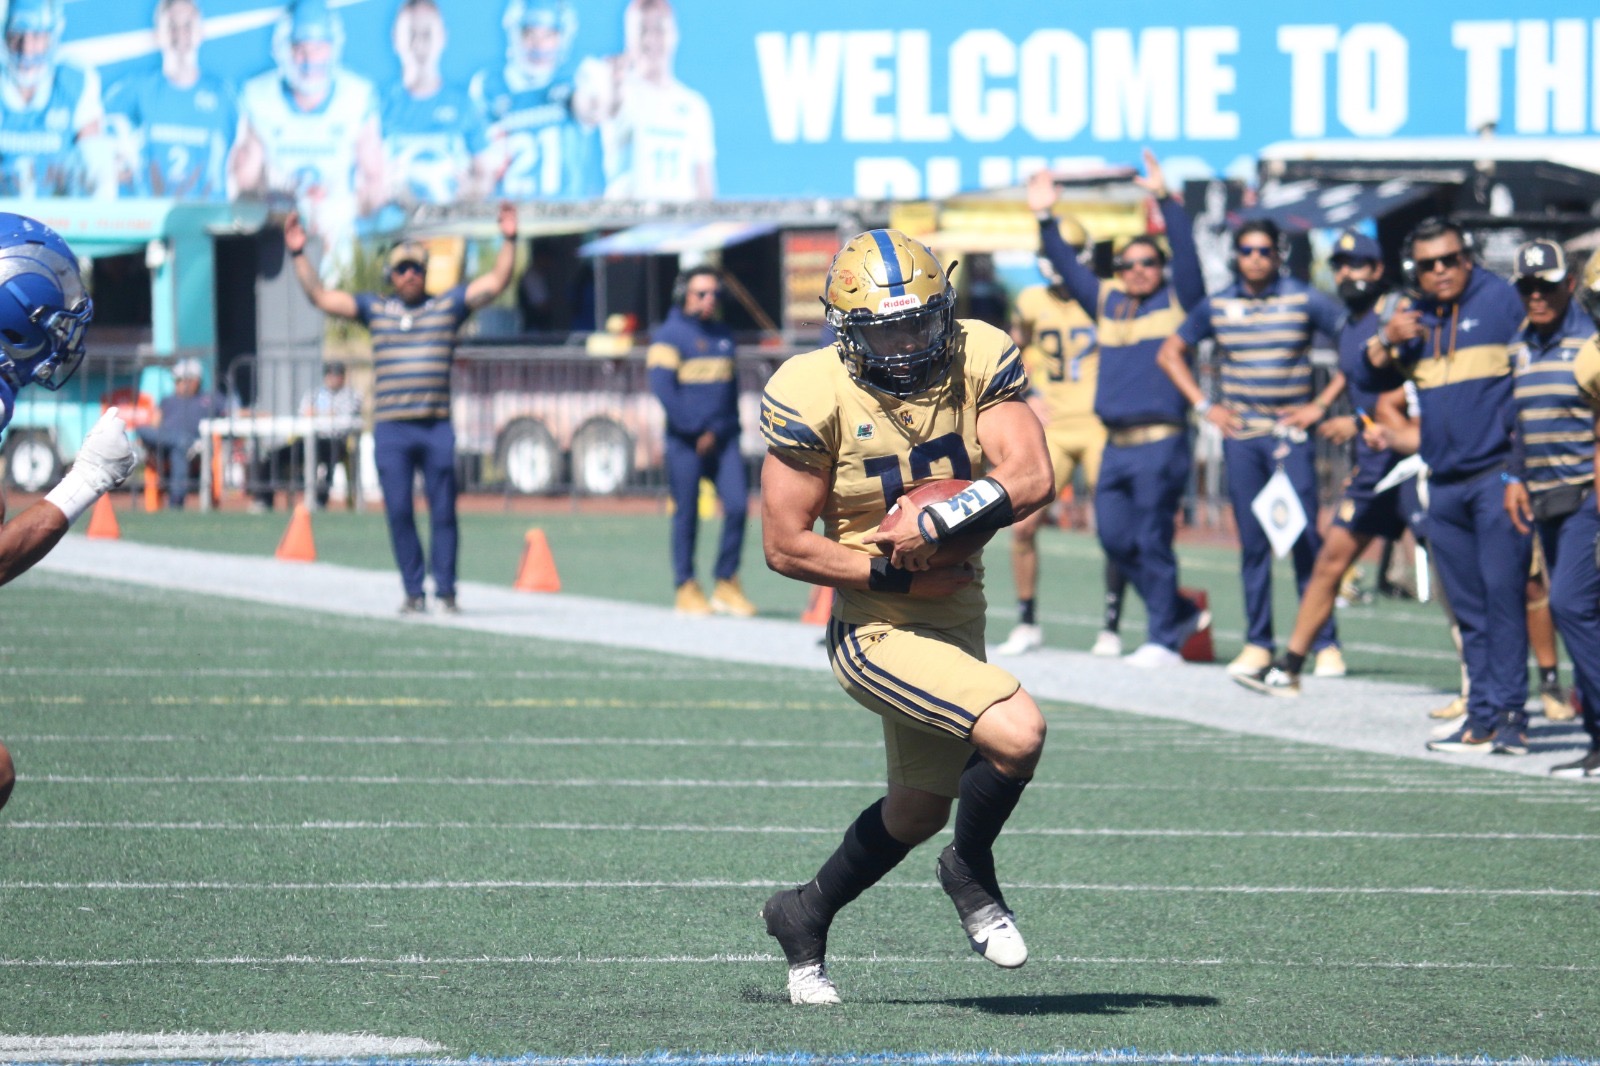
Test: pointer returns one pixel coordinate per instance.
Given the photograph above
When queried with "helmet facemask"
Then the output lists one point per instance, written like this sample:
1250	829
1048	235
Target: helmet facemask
44	311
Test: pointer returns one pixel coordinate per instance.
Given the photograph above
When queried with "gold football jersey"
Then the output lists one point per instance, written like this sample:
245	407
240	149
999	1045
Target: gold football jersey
1586	368
1063	355
876	447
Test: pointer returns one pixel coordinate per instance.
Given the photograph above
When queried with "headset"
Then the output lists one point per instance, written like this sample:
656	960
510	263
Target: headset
680	287
1429	228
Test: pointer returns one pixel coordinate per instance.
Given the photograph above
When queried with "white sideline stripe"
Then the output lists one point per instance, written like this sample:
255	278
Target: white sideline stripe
762	958
452	742
207	1046
1508	789
780	830
478	886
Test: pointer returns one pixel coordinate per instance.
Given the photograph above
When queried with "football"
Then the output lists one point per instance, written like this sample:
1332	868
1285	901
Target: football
952	552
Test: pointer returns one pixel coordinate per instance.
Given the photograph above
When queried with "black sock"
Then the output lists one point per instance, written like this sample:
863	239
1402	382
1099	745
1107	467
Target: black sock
1025	611
987	799
1116	586
1550	677
862	858
1293	661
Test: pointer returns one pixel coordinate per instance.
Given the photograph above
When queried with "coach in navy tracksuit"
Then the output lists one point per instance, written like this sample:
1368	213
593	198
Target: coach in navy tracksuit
1454	344
1551	486
1146	462
1264	324
692	373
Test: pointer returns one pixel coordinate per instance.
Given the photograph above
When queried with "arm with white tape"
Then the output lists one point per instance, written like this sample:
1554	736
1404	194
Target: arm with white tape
104	461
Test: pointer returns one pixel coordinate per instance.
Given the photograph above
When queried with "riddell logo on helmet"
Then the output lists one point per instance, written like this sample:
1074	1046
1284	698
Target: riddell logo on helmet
899	303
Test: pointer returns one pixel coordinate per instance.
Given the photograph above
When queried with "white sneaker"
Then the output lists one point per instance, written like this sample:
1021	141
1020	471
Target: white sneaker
810	984
1152	657
1107	644
1252	659
1000	941
1330	662
1023	639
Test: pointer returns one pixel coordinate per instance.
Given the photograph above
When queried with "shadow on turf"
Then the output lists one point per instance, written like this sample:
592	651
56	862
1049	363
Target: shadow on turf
1083	1003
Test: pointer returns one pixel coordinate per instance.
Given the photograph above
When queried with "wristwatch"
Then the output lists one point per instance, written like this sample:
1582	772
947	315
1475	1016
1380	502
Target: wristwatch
1202	407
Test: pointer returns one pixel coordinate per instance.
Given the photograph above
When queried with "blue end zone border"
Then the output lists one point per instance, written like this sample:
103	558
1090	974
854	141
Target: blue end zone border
1110	1057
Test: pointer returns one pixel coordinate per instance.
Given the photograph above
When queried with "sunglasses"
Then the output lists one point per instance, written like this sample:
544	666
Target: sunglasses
701	293
1439	262
1264	251
407	268
1148	263
1536	286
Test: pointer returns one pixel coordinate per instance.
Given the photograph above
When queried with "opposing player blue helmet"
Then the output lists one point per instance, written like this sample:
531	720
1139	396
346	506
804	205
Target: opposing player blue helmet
44	309
301	22
32	17
539	65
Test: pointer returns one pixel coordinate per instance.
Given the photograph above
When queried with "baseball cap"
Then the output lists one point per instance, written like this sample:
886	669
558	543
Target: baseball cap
1352	244
186	369
1541	259
408	252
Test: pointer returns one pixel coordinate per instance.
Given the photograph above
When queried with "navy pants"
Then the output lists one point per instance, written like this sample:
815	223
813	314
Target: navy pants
1483	564
725	467
1251	464
1575	601
1135	504
400	449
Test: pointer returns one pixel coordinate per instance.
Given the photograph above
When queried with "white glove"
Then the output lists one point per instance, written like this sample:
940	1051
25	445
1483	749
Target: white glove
105	459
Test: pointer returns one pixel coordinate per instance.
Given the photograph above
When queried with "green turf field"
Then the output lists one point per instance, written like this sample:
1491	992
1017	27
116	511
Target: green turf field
235	818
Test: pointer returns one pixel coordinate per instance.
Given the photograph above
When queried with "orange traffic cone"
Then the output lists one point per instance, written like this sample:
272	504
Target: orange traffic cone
103	521
537	571
820	607
1197	649
152	487
297	546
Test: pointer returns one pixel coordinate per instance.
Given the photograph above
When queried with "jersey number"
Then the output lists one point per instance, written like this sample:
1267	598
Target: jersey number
886	468
1081	339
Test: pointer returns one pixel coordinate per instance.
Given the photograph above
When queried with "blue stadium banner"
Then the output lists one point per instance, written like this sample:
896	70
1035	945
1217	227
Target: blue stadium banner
353	105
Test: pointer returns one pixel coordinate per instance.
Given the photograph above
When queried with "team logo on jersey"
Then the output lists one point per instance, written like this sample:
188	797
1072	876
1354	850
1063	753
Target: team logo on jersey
906	418
1467	324
865	430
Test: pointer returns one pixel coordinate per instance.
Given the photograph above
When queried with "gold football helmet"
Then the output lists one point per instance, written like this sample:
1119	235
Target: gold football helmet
1077	238
893	312
1589	287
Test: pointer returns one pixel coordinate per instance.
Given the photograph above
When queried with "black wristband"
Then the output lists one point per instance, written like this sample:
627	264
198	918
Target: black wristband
296	253
887	578
982	506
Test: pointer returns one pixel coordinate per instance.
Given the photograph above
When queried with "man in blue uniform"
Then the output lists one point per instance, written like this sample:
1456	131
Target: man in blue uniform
1362	513
413	345
433	135
44	311
1146	462
52	124
692	373
538	148
174	125
1551	477
1264	324
1454	344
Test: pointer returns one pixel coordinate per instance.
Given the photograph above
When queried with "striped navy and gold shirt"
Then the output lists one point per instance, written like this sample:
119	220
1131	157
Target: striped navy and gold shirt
412	348
1554	427
1264	339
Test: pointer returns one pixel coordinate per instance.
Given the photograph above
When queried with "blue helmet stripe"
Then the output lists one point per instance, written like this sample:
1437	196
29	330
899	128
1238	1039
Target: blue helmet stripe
891	262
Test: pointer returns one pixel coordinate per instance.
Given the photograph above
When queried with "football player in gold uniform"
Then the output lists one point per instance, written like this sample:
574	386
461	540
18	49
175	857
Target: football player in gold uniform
1062	357
908	395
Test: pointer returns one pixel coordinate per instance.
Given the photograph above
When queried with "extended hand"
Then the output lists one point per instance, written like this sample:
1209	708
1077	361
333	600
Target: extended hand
1041	191
507	220
105	459
294	234
1153	181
